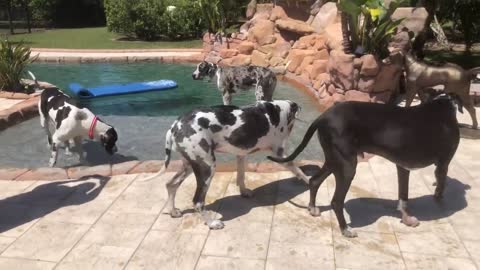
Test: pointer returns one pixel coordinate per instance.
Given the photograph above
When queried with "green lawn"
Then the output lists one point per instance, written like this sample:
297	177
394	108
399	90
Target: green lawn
93	38
459	58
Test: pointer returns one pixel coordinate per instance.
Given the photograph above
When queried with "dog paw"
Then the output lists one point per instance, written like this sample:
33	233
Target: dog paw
314	211
175	213
410	221
216	224
246	193
347	232
52	163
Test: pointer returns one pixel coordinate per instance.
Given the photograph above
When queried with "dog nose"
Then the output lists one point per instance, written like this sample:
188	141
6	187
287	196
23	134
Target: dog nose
193	76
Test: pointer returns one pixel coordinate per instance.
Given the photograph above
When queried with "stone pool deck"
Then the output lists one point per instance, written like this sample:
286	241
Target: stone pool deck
131	55
116	222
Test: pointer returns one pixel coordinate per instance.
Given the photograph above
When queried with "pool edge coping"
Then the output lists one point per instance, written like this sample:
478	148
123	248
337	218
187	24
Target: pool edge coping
135	167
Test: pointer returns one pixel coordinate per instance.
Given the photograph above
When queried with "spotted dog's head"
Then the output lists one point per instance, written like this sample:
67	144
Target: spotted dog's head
204	69
108	140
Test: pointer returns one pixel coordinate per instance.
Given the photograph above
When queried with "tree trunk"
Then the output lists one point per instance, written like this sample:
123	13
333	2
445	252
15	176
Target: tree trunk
347	42
9	14
26	6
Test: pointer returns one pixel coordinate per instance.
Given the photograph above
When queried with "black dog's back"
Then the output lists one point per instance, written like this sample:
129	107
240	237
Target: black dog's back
54	98
413	137
421	133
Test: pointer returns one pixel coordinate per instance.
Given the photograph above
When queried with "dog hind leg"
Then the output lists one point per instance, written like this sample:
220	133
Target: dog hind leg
244	192
343	166
172	186
403	181
314	184
204	169
469	106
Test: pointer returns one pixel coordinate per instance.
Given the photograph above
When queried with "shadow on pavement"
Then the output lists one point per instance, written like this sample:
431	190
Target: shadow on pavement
366	211
44	199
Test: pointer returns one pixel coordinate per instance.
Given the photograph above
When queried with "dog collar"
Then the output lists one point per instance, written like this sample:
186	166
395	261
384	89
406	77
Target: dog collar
92	127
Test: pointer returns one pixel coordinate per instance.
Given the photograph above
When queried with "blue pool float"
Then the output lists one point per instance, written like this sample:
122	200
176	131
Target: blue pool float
120	89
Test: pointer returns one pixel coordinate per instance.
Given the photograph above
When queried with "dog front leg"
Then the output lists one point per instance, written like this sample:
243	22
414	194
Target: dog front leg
227	98
403	181
54	151
290	166
77	147
244	192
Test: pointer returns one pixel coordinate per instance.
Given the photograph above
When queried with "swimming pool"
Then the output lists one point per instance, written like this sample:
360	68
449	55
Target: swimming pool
140	119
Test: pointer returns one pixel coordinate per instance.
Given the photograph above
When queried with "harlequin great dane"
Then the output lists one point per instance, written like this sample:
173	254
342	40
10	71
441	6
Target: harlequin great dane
70	124
412	138
197	135
231	80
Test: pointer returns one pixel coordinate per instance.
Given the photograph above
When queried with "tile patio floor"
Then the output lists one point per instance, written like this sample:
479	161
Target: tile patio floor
117	223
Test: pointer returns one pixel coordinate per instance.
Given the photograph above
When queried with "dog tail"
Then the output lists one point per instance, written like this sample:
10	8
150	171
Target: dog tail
168	154
473	72
308	136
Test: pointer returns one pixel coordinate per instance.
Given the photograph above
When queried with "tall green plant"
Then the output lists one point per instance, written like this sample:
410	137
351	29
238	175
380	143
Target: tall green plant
370	23
13	62
212	14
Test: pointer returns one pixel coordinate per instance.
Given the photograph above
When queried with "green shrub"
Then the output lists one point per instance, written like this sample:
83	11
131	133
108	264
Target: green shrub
371	25
182	22
13	62
149	19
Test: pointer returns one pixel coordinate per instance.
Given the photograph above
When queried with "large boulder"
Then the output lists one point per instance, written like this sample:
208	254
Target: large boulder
340	67
278	13
295	26
369	65
333	33
259	59
414	18
228	53
241	60
388	78
354	95
295	57
251	9
262	32
318	67
326	16
246	47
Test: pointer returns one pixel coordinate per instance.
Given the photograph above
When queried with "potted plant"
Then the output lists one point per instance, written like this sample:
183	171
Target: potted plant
364	70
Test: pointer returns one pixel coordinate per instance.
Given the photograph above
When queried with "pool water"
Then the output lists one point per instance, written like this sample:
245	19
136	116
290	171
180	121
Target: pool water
141	120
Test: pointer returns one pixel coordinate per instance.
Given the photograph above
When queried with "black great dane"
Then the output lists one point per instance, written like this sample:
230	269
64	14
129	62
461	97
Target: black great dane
412	138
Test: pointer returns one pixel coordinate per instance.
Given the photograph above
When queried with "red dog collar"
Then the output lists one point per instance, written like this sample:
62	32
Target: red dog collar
92	127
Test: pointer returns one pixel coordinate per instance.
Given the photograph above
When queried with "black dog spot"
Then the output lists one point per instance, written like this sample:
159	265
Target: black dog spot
255	126
204	145
224	115
61	115
203	122
273	112
215	128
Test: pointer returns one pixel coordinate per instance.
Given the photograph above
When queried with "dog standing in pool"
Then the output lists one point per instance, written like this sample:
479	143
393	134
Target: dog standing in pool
71	124
197	135
231	80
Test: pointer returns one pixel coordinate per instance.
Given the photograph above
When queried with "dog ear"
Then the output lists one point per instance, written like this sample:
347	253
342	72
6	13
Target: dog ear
212	69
